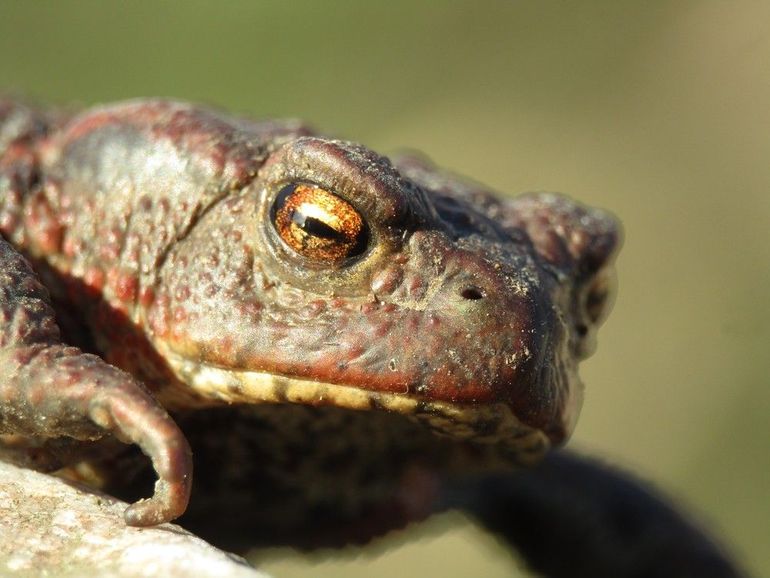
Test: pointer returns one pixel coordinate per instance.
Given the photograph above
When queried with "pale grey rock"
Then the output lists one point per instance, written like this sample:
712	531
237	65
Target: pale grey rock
49	527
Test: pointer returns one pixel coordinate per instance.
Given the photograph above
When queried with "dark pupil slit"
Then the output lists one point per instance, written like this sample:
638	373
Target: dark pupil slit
316	228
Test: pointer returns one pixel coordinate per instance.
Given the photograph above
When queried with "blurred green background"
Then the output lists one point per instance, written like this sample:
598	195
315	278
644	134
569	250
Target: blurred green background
659	111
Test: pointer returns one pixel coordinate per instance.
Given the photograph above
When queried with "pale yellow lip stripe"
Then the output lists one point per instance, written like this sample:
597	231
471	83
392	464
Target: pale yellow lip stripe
484	423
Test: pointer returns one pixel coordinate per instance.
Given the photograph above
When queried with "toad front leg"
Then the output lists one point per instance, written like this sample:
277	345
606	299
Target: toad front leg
50	390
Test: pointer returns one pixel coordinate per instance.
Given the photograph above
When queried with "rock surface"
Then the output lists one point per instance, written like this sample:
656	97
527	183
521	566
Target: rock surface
49	527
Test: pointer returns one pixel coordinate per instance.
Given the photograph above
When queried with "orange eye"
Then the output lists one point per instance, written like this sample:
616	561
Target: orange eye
318	224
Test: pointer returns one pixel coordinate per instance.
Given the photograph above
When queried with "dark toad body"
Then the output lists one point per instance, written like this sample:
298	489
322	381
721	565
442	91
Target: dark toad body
194	259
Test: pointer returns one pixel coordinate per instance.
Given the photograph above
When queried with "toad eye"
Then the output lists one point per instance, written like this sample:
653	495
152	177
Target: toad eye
318	224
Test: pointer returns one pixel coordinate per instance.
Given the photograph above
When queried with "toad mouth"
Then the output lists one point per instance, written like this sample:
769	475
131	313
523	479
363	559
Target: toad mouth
484	423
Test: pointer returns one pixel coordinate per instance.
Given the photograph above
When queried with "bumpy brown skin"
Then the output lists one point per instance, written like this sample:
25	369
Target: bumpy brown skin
149	223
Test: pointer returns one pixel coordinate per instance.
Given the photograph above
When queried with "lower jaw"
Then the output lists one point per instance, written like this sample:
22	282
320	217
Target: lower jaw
202	385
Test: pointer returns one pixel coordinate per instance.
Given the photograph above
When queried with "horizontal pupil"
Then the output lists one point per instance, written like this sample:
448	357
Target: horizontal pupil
315	227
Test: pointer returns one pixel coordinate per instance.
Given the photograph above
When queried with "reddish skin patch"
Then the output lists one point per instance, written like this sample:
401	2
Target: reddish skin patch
124	285
147	296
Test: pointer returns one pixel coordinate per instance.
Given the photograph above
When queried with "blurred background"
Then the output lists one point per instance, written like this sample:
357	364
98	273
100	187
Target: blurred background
659	111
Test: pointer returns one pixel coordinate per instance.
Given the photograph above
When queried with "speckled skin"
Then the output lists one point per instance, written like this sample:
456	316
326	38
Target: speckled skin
148	223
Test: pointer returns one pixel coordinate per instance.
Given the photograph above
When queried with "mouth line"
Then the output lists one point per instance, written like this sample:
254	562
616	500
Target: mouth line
486	423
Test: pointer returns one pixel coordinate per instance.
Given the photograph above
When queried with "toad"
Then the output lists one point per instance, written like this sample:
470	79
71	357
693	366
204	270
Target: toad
161	257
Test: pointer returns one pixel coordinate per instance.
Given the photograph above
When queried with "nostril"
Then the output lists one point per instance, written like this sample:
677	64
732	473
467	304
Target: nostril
472	293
